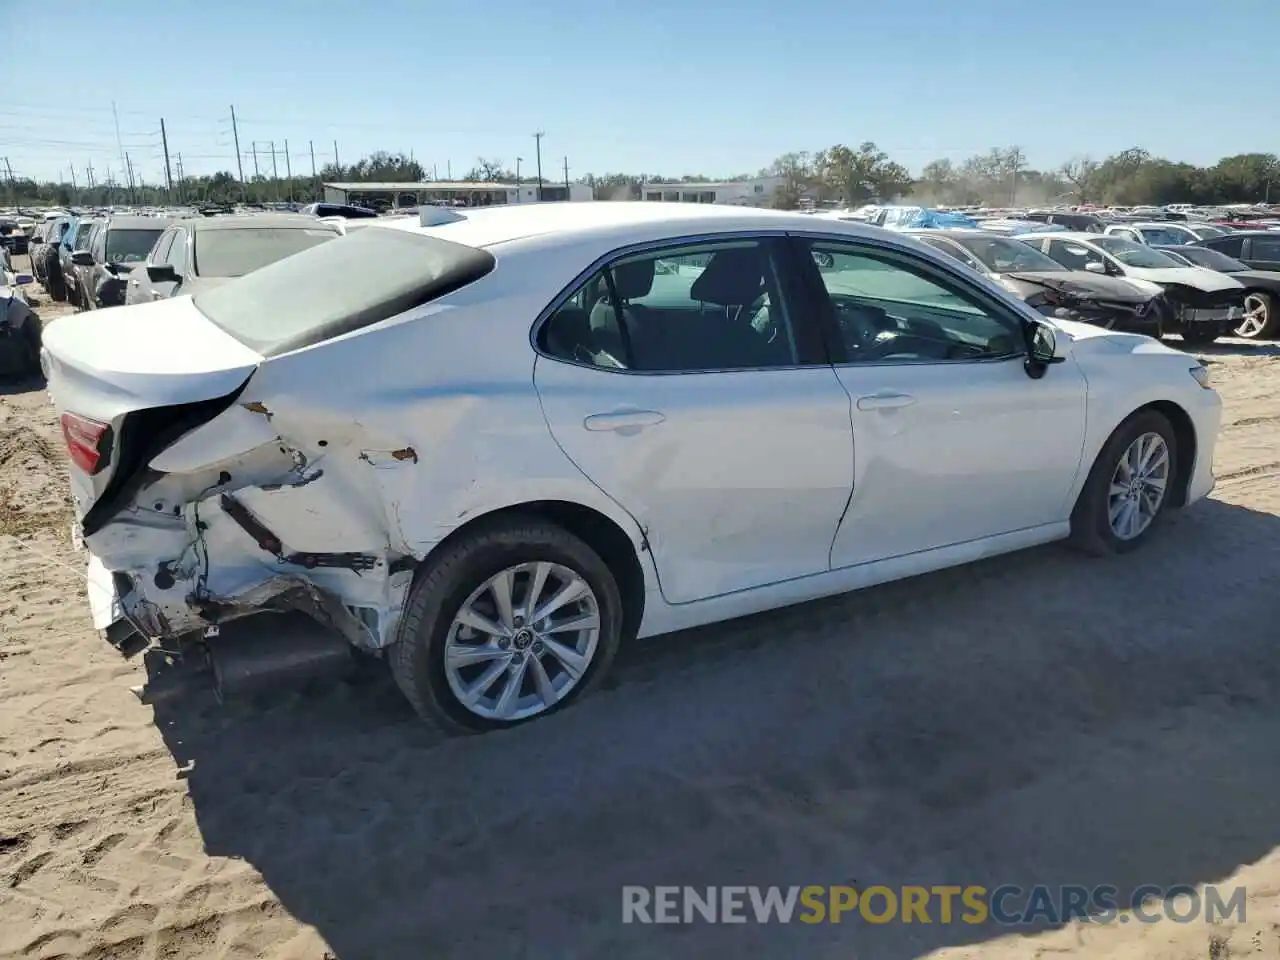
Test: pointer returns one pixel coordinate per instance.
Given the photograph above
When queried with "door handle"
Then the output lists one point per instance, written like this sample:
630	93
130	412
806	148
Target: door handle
885	401
624	421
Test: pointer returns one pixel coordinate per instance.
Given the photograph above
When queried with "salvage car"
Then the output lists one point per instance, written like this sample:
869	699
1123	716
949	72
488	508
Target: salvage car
1260	249
196	254
1047	285
495	444
1261	288
49	268
19	329
119	247
1166	234
1201	305
76	238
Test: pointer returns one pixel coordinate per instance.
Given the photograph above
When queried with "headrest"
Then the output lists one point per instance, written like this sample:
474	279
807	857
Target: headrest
633	279
732	278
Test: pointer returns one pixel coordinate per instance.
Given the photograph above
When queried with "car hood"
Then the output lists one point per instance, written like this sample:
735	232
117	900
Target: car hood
1200	278
1080	283
1086	339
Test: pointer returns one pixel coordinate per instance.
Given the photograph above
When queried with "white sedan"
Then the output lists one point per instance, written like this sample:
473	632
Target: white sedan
493	445
1200	304
1164	232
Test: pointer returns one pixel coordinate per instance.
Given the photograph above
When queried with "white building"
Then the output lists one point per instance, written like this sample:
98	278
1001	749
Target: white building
476	194
757	192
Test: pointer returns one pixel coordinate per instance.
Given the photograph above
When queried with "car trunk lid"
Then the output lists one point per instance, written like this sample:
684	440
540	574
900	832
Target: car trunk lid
127	383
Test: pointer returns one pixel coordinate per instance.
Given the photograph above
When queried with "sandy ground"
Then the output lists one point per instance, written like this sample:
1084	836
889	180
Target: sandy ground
1036	718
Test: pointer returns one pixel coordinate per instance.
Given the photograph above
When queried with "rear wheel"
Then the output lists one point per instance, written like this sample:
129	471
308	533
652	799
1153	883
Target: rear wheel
1261	317
1128	486
512	622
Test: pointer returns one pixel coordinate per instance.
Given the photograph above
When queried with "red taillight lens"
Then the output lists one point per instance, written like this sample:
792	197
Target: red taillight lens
84	439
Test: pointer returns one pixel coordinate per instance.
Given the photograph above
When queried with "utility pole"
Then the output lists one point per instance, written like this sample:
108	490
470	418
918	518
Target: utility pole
519	160
566	178
89	173
235	135
168	175
255	160
537	139
275	173
337	165
288	170
133	193
75	190
315	187
182	181
13	188
119	143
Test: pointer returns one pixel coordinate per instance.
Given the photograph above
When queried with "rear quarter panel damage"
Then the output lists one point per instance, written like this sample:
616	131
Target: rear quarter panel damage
379	444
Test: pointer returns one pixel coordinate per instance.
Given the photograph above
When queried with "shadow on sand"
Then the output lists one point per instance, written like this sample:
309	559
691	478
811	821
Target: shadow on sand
1038	718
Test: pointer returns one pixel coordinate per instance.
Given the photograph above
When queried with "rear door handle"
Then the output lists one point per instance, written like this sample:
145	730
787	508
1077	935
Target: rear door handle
885	401
623	421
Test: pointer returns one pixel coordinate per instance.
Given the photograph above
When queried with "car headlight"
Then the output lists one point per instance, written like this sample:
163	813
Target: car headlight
1200	373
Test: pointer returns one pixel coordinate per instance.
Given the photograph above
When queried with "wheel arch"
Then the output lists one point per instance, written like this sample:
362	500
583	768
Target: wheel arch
600	532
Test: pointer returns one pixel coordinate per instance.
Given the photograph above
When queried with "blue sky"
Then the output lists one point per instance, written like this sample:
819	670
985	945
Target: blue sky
658	87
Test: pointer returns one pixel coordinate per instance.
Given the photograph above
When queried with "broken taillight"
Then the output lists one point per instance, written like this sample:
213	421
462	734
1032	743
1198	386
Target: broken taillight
84	441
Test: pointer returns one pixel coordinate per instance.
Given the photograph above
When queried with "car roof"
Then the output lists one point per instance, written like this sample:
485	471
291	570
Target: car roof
961	232
1064	235
252	221
565	222
126	222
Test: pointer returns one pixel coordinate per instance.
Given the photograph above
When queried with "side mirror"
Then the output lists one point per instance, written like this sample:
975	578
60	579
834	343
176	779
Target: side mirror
1093	266
162	272
82	258
22	279
1042	349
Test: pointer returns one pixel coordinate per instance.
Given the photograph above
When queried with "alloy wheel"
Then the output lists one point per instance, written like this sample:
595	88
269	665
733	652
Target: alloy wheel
522	641
1138	486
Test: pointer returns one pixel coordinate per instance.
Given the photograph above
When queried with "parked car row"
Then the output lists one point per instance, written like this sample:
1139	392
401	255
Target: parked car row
117	259
490	446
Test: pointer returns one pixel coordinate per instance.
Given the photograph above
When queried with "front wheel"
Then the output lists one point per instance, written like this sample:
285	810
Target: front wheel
515	620
1127	488
1261	317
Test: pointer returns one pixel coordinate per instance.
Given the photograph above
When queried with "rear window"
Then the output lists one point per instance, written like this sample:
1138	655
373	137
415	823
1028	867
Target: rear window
131	246
233	253
334	288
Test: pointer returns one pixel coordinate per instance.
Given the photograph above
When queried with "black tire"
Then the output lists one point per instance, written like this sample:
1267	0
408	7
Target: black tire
31	340
417	656
1271	317
1090	521
1200	338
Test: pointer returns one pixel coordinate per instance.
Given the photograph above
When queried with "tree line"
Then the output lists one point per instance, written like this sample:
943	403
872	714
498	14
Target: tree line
840	173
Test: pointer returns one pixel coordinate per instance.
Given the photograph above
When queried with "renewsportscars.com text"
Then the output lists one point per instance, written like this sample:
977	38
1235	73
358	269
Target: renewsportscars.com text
973	904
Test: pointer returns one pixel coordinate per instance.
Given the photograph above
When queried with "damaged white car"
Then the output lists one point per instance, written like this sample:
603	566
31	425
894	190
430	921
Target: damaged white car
492	445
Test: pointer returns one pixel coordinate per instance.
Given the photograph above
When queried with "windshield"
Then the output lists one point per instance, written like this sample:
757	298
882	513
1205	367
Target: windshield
233	253
1214	260
1163	235
1204	232
130	246
82	235
1009	256
1134	254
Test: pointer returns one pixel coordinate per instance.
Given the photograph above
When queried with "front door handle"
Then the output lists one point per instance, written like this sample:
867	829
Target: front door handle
885	401
624	421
